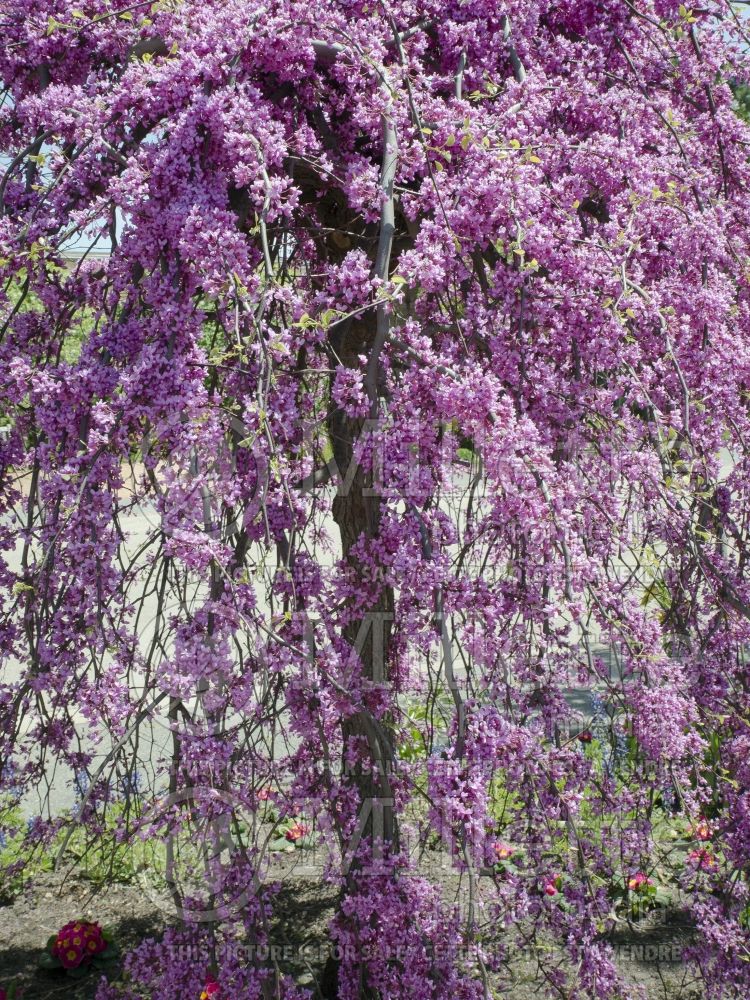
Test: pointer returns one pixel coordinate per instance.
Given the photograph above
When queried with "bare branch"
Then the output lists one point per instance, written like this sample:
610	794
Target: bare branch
383	256
519	73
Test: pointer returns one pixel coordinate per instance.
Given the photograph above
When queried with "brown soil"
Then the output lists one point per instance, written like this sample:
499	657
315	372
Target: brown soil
649	953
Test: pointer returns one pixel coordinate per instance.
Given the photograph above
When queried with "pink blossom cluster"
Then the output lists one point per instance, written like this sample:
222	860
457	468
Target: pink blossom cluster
402	364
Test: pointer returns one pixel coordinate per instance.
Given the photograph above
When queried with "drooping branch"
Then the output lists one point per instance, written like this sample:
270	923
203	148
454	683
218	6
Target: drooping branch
519	72
383	256
459	78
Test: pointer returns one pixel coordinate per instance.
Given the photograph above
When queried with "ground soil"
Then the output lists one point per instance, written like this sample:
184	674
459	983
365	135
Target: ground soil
51	901
649	953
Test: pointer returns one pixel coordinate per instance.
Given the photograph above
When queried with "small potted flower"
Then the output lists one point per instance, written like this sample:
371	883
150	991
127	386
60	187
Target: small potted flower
293	833
266	803
639	882
296	832
79	947
505	859
642	895
503	852
701	830
702	859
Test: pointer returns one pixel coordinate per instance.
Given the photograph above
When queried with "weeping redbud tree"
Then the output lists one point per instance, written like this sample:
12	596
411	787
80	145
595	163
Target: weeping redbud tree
367	371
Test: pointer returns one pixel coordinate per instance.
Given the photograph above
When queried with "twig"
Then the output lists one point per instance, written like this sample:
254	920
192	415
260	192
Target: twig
383	256
519	72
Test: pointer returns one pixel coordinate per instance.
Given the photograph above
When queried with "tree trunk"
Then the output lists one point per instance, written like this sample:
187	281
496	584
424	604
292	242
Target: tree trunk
357	512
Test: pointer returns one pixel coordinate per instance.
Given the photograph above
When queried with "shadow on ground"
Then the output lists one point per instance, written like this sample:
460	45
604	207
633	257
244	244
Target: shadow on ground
53	900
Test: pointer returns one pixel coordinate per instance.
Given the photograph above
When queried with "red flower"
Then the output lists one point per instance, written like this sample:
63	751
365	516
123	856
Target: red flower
503	851
701	830
639	881
702	859
551	885
586	736
296	832
77	943
211	989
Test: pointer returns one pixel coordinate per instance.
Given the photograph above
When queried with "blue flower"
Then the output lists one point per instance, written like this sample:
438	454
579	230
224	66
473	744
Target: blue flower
597	705
131	783
81	781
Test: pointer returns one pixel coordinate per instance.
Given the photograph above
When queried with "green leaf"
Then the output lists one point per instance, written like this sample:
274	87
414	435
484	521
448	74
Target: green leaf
328	317
110	953
80	973
280	844
305	322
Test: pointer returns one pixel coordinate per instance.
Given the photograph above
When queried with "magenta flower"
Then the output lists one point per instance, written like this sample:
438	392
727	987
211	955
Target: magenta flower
344	256
77	942
211	989
552	885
